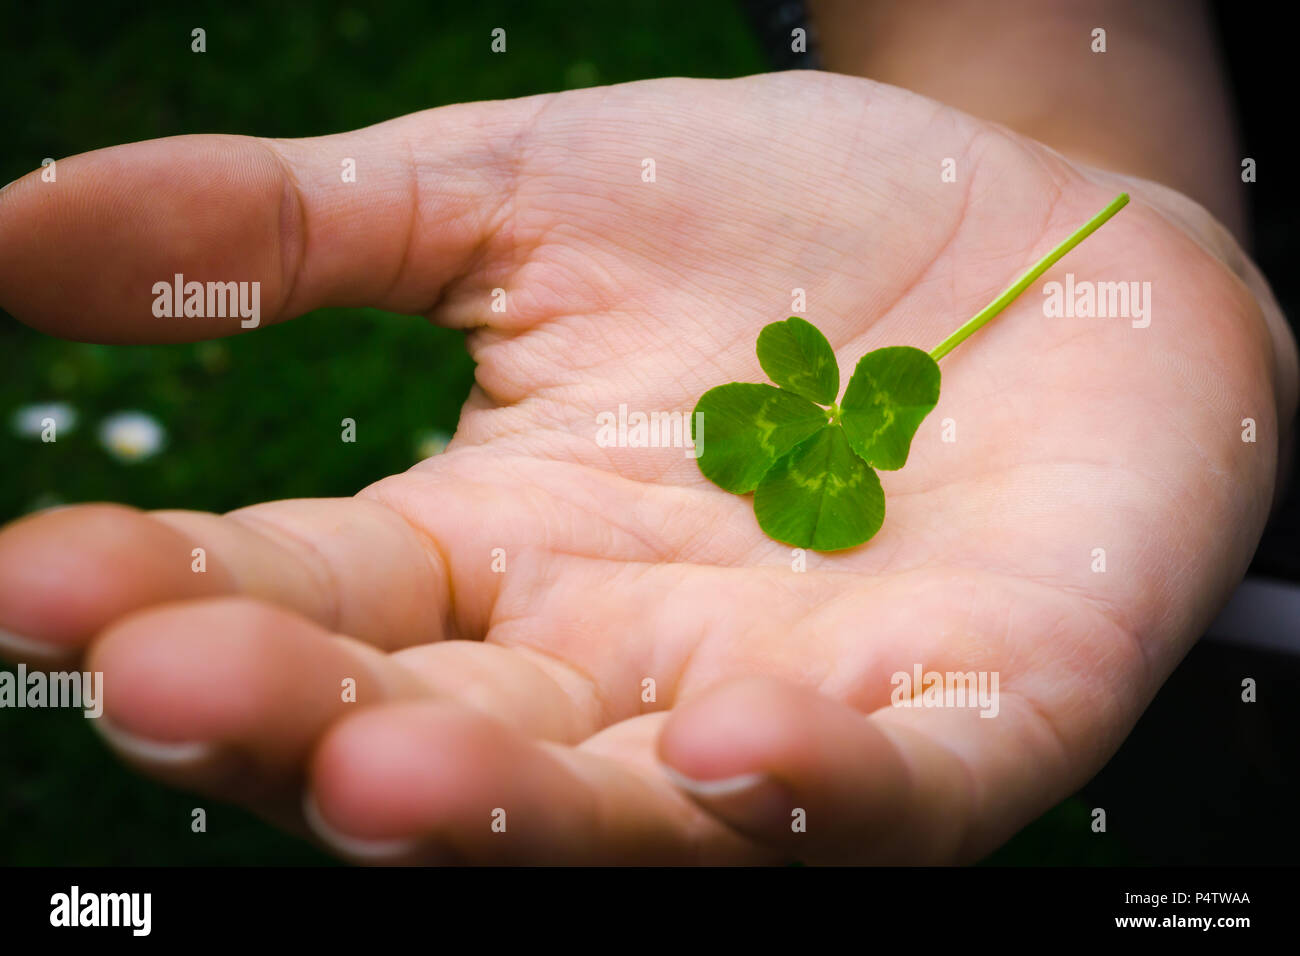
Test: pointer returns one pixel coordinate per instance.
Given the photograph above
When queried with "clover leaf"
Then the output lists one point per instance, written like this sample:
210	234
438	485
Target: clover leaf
821	495
746	428
890	393
810	462
796	356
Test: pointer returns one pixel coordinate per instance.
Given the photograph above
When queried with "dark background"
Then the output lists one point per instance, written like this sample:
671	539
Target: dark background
1203	779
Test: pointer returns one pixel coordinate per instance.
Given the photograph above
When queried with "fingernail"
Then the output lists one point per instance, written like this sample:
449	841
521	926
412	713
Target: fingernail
755	800
725	787
158	753
359	849
26	649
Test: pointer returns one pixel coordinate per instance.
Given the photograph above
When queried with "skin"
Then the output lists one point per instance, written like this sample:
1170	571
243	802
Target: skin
1155	104
522	690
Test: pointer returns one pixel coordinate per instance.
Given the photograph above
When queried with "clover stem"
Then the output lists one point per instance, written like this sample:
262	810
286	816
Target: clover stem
986	314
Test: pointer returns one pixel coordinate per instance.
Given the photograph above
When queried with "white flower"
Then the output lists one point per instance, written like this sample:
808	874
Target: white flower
132	436
431	443
28	421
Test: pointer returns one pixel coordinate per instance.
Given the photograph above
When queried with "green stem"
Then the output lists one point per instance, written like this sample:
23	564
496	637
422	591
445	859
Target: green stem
986	314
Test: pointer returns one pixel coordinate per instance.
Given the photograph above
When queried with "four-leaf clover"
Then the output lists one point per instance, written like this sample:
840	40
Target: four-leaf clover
809	461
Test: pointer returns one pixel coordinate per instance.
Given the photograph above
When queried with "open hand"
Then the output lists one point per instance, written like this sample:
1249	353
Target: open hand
501	606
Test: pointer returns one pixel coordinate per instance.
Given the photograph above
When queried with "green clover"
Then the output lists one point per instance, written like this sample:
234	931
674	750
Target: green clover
811	463
810	466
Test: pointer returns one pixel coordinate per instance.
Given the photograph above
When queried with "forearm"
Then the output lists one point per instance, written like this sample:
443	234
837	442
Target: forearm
1154	105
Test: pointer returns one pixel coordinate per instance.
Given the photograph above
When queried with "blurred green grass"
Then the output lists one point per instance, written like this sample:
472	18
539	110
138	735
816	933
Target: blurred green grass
257	417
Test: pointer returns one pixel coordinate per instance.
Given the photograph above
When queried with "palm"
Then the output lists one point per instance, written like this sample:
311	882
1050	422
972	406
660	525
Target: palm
588	572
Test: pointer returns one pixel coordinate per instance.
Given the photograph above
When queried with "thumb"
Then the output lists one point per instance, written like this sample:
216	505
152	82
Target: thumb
387	216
